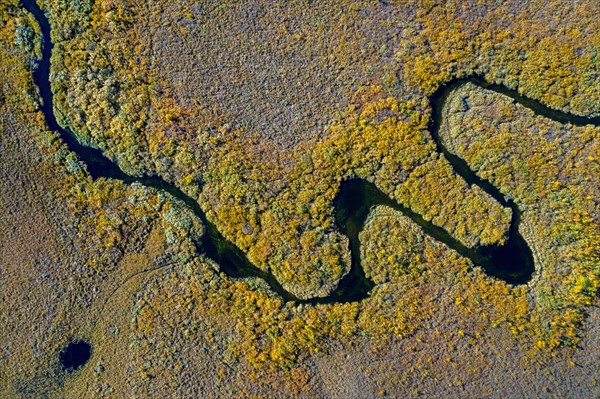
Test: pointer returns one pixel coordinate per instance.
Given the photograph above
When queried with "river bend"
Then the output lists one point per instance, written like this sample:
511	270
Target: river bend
511	262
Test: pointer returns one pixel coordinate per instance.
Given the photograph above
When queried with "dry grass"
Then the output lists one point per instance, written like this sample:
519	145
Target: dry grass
81	258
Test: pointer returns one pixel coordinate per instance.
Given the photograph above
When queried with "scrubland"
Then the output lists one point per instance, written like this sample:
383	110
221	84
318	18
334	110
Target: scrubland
259	110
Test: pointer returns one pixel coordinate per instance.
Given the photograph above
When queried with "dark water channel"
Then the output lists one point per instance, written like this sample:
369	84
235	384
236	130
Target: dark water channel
512	262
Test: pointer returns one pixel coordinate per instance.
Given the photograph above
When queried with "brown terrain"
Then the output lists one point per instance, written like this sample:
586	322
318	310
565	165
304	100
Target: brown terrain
259	110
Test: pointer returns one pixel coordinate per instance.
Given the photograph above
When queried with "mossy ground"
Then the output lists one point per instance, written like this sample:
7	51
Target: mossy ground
116	264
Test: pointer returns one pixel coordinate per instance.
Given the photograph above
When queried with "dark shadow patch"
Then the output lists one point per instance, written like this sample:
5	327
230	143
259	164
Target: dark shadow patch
47	383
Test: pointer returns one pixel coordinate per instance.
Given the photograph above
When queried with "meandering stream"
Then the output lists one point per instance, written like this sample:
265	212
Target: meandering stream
512	262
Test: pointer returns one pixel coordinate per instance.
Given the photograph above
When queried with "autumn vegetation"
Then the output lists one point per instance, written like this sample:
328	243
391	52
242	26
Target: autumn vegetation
228	102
